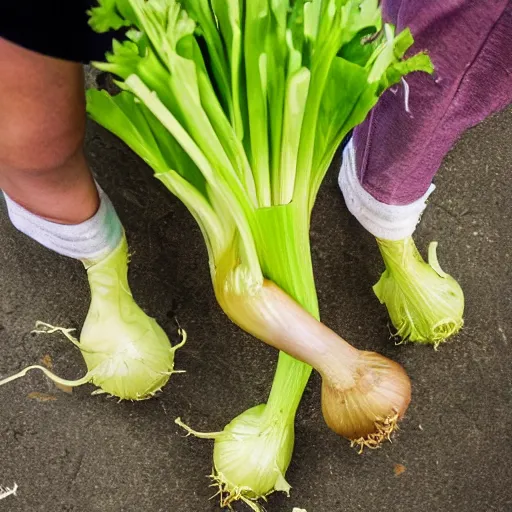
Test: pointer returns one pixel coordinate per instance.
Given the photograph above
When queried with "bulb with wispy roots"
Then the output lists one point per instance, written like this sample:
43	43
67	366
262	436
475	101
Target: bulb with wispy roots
128	355
367	412
425	304
251	456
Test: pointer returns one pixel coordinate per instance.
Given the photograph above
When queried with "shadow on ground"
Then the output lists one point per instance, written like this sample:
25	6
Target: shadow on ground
73	452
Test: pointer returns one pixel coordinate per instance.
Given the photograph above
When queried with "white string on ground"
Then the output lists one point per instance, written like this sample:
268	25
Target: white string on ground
8	491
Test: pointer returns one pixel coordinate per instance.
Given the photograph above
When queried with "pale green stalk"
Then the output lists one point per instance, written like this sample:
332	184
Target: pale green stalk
286	260
256	78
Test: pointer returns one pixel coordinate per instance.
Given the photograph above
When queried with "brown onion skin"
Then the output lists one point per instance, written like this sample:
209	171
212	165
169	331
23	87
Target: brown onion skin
382	391
359	389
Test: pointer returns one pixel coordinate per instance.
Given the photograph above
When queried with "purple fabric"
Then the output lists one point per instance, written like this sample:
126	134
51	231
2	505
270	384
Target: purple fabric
470	42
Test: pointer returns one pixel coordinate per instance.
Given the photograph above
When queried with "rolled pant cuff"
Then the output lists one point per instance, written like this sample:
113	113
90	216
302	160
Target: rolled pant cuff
386	221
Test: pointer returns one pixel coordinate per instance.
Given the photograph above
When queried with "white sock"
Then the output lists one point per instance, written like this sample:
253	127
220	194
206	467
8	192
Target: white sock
89	241
386	221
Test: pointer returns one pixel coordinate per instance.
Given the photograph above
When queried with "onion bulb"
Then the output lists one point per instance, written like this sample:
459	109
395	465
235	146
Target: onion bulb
364	394
425	304
128	355
251	456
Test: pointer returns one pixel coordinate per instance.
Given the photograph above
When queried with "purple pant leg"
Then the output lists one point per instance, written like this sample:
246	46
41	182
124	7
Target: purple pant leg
470	43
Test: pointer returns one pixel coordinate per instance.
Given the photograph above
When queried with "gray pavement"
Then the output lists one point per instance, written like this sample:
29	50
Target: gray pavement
74	452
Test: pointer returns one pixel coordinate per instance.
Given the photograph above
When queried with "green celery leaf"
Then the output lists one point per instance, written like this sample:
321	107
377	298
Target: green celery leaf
297	90
201	12
361	47
189	49
418	62
344	86
296	30
111	15
256	27
312	10
229	16
122	116
276	61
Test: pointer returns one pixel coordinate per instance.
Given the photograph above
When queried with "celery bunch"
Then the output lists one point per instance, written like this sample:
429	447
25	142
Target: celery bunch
238	107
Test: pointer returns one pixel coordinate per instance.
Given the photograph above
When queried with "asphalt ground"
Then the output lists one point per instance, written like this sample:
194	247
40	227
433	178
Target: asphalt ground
82	453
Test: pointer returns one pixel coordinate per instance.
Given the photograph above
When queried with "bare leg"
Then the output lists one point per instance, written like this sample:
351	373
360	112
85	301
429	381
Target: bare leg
42	125
51	196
